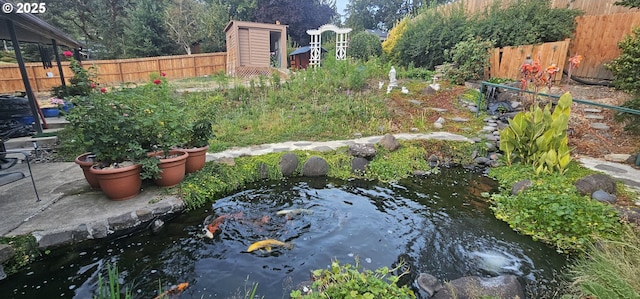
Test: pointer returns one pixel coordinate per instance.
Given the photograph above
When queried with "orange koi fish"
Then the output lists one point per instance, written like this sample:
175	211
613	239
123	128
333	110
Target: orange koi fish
214	226
173	290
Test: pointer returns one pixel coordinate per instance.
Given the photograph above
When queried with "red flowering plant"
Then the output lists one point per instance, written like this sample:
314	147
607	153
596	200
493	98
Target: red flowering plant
124	124
533	76
82	83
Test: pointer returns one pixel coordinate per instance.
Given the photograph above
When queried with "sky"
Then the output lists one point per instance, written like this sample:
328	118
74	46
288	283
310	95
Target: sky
341	5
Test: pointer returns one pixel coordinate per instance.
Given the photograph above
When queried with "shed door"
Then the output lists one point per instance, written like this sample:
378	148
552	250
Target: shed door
243	46
259	39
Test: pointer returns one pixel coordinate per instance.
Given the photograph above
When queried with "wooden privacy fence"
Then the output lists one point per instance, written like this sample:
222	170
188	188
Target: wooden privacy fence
589	7
505	62
596	39
113	72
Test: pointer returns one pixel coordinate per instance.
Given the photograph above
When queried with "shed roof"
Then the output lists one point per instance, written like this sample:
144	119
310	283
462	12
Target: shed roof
30	28
304	49
253	25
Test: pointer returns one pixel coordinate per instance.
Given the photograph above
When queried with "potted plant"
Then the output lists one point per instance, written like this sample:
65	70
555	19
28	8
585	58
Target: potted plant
163	130
110	122
200	132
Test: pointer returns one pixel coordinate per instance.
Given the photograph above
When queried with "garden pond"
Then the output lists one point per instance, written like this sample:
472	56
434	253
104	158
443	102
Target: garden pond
439	224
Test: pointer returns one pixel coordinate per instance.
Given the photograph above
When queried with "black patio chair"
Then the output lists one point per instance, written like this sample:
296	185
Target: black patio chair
6	163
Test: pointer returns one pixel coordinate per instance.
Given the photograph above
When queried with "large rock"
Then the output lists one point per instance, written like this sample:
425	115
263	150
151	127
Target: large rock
288	164
6	253
428	283
367	151
505	286
521	186
603	196
592	183
389	142
263	170
359	165
314	167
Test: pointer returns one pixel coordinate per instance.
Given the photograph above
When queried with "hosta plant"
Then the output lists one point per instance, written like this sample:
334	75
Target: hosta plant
538	137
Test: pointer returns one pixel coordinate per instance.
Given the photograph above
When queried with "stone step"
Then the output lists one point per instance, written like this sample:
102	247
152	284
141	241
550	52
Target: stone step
599	126
55	122
27	142
592	110
593	116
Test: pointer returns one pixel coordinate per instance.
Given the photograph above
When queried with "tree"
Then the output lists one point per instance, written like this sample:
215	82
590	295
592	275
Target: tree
241	10
185	21
145	30
98	23
364	45
216	19
382	14
300	15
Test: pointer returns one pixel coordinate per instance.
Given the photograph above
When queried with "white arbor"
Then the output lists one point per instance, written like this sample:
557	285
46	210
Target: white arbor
316	42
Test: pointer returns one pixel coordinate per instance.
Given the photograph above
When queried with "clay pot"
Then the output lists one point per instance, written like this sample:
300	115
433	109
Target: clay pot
197	158
172	170
119	183
86	165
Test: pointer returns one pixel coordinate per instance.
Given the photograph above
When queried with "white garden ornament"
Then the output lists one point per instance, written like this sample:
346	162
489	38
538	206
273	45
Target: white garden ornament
316	42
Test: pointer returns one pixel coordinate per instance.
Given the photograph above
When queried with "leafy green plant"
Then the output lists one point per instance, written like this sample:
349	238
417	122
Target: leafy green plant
200	132
626	76
538	137
347	281
83	82
471	58
25	250
107	121
364	45
552	210
608	269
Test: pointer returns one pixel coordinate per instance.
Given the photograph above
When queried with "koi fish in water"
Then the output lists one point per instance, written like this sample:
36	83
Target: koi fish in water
212	227
173	290
267	244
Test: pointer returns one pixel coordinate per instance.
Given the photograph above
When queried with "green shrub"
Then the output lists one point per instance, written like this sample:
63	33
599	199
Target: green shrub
524	22
346	281
539	138
364	45
428	35
631	121
551	210
626	76
471	58
394	35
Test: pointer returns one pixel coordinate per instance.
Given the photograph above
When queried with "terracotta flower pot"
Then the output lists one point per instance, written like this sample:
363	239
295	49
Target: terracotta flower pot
86	165
119	183
197	158
172	170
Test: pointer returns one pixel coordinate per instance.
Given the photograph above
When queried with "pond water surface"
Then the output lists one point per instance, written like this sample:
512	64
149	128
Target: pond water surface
439	224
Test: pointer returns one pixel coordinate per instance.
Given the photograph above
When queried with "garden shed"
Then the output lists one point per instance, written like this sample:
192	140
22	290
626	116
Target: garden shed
255	48
300	57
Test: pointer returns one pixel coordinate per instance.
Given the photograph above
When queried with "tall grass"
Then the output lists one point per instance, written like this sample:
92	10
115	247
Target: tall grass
111	288
609	269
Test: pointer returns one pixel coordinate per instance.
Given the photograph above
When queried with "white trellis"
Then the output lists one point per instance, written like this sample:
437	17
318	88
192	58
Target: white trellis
316	42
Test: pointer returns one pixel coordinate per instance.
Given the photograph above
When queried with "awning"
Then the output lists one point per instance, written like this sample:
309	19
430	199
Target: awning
30	28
